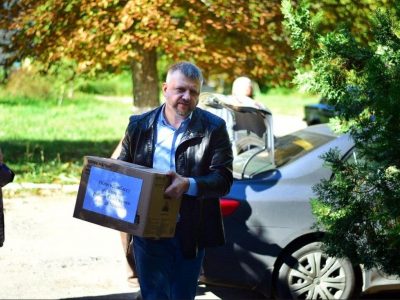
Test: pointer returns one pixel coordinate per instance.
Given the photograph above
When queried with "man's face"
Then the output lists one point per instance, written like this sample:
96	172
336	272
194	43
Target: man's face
249	91
181	94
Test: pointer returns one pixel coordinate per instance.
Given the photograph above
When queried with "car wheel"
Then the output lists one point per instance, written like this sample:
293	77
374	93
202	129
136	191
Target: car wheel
308	273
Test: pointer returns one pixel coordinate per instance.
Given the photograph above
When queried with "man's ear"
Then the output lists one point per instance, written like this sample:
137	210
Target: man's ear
164	88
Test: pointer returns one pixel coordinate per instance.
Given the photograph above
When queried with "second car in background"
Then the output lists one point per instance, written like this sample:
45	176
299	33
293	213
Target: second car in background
318	113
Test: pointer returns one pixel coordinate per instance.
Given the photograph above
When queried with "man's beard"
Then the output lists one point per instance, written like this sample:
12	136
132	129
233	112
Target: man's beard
183	113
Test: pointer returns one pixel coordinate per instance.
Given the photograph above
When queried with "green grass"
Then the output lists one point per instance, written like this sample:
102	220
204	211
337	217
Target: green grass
44	142
286	102
109	84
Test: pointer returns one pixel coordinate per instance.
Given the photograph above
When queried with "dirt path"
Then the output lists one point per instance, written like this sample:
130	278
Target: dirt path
49	254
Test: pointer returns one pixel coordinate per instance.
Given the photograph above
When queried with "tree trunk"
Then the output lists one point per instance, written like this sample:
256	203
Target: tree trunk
145	78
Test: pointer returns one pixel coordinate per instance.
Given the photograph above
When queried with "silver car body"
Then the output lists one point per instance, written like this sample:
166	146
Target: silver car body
275	215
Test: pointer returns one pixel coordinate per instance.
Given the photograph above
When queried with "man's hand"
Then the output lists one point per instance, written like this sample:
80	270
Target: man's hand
179	185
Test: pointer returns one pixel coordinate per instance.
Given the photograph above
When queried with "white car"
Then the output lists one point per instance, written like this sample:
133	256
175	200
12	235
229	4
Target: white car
249	124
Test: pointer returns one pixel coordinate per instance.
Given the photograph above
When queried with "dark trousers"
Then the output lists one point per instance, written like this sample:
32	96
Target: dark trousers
163	271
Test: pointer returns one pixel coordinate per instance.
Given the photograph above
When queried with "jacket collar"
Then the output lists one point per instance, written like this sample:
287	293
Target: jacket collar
150	118
196	127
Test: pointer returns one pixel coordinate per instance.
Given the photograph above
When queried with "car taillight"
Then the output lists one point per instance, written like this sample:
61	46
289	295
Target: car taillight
228	206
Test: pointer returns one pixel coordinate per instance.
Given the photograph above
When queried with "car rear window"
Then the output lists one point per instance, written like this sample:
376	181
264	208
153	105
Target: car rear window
287	149
293	146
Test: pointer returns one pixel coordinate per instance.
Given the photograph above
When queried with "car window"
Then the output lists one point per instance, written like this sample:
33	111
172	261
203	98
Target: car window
287	149
293	146
353	157
251	163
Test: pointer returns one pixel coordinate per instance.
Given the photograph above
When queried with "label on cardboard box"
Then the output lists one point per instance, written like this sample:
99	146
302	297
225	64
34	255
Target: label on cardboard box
126	197
112	194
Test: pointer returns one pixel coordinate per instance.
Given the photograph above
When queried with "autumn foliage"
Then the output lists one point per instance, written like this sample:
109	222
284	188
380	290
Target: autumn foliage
233	37
236	37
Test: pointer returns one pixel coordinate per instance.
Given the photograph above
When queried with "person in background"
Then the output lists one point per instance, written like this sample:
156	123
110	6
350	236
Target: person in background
6	176
242	86
194	147
1	209
243	92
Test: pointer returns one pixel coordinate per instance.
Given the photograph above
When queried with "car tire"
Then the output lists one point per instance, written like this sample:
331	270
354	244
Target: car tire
308	273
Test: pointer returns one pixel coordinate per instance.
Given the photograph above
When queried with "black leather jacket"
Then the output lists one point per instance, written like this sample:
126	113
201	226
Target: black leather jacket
204	153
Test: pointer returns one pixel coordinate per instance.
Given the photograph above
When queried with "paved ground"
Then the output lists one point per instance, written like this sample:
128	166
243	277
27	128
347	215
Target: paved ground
48	254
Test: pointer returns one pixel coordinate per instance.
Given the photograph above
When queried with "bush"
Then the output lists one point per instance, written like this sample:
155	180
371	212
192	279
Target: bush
26	82
360	206
108	84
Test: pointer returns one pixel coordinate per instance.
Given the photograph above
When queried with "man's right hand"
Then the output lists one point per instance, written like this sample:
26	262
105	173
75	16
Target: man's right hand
179	185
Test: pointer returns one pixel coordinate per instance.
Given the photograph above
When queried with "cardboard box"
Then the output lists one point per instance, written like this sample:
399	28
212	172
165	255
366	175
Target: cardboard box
126	197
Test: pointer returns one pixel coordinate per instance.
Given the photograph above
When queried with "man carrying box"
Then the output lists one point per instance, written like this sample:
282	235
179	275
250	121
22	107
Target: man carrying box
194	147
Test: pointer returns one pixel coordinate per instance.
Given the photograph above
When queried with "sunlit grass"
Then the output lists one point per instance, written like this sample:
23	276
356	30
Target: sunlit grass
46	142
286	102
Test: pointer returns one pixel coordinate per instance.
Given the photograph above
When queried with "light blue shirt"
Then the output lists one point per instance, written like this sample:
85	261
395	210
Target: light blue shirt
167	140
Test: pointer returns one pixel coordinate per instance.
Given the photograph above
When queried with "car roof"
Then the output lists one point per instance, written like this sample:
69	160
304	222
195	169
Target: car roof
324	129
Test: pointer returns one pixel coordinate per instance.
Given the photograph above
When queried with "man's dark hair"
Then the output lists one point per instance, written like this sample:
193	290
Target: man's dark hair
188	69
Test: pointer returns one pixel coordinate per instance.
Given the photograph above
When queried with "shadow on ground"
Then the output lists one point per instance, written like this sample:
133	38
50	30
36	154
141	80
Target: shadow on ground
64	150
203	292
382	295
122	296
215	292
